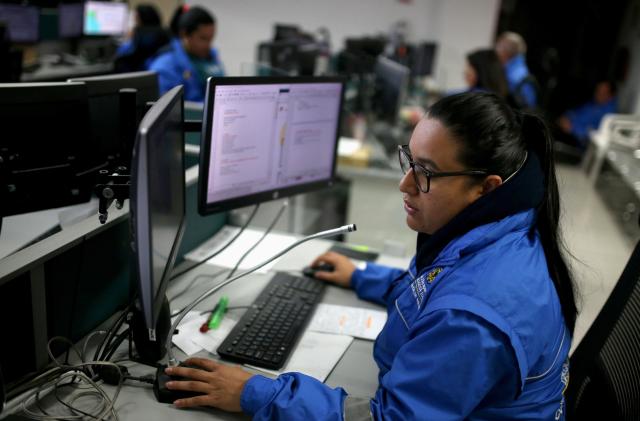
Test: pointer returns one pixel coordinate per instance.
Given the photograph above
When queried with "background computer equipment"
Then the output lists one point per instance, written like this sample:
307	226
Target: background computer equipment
105	18
45	159
267	138
157	210
70	19
22	22
391	85
113	124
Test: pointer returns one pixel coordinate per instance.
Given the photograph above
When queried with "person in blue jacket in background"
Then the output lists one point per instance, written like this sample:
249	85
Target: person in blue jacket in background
511	50
480	325
190	60
483	72
576	123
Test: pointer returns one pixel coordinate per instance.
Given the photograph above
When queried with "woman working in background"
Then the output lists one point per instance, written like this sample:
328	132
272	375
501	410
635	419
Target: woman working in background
190	59
483	72
480	324
146	39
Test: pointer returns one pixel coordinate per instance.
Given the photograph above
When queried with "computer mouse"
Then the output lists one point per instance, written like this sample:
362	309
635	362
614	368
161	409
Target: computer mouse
310	271
165	395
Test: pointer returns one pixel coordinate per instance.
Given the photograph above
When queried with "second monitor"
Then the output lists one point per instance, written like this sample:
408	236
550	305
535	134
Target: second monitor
266	138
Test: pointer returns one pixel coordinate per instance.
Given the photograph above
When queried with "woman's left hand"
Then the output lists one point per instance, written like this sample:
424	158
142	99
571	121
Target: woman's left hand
221	385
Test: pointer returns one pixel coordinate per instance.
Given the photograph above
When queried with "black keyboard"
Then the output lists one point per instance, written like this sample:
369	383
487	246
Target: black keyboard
270	329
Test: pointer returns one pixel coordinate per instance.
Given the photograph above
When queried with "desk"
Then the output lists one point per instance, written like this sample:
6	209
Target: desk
356	371
53	73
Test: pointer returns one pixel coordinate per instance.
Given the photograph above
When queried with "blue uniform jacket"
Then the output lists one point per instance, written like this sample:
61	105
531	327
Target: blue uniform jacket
175	68
516	71
478	335
587	117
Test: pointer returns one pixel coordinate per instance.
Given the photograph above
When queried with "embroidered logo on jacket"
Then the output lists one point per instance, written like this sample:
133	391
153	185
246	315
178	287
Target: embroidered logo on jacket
418	287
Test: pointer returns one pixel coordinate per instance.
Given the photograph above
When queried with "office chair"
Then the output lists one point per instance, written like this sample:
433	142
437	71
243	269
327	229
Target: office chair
604	379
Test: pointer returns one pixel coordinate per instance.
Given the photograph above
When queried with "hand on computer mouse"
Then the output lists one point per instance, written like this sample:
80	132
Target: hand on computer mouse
343	268
221	385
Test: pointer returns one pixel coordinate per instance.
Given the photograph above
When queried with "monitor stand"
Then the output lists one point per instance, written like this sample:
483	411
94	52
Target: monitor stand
150	352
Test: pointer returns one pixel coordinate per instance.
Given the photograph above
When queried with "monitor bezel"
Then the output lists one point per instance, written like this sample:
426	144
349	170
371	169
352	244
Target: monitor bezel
148	126
205	208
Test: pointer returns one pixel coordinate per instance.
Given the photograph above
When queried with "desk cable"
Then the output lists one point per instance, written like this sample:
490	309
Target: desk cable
220	250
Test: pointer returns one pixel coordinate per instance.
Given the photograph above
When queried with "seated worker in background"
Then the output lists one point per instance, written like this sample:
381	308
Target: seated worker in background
511	50
147	37
576	123
190	59
483	72
480	324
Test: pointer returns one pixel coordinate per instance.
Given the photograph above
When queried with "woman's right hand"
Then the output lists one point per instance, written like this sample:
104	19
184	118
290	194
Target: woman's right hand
343	268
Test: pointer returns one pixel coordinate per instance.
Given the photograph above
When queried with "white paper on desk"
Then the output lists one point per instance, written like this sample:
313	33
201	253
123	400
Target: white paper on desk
316	355
187	330
272	244
211	340
354	321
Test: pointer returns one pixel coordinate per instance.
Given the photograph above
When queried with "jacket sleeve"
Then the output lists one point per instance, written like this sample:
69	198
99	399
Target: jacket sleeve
292	396
443	373
373	282
168	76
453	361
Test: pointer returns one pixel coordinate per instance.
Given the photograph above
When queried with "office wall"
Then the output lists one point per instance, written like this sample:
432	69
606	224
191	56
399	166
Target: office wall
457	25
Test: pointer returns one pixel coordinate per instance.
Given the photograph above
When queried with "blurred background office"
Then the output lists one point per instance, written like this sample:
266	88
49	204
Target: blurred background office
398	56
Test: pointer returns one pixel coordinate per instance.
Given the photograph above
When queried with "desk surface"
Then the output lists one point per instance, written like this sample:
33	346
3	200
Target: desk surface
356	372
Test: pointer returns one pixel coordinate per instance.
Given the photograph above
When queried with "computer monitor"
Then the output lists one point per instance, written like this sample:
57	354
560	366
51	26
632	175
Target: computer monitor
70	19
423	58
392	82
109	134
45	159
22	21
266	138
105	18
158	204
283	32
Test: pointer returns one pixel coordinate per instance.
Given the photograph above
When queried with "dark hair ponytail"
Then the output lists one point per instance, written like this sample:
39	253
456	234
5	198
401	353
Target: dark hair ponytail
493	136
537	136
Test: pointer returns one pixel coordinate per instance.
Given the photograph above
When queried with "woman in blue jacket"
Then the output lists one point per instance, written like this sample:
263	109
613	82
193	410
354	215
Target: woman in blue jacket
480	325
190	60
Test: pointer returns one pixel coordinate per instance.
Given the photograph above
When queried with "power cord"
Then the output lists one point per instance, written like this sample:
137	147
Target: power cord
215	253
268	230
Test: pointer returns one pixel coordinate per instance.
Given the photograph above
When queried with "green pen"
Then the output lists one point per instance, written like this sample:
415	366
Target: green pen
218	314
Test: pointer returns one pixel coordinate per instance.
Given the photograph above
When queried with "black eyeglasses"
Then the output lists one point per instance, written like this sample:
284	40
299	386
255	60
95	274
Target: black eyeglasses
423	176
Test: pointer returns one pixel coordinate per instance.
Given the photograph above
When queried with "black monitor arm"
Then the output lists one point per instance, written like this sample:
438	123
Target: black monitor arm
112	185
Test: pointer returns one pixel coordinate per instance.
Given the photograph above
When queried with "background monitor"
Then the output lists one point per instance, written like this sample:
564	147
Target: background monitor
391	85
70	19
423	58
45	159
158	199
266	138
108	134
22	21
105	18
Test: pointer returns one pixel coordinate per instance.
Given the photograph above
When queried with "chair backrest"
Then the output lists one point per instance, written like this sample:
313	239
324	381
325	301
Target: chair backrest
605	368
623	129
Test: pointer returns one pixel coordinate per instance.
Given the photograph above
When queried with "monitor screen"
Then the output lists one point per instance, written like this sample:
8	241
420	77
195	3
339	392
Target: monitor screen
158	198
45	161
104	110
70	19
392	83
423	59
22	21
265	138
105	18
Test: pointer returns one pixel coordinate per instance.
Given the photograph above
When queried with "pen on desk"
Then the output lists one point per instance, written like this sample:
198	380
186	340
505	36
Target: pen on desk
218	313
204	327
